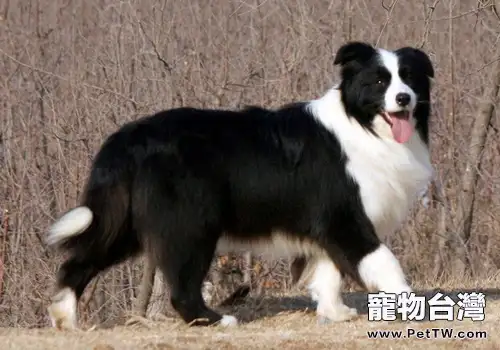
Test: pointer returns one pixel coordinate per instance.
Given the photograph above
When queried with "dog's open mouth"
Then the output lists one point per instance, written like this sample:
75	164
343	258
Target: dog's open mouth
400	125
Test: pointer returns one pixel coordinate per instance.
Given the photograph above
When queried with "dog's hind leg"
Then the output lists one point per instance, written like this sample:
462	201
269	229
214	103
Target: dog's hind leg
179	217
185	271
75	274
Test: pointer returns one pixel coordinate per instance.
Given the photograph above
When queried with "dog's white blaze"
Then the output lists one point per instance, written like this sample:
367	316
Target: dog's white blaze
276	246
325	289
70	224
396	86
381	271
390	175
62	311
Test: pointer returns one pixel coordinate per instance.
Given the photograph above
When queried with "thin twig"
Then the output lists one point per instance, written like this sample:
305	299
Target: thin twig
389	14
428	24
471	12
166	65
86	303
495	11
39	70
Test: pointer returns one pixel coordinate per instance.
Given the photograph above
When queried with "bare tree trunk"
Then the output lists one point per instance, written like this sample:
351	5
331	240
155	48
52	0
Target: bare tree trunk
247	268
99	301
145	289
4	230
159	304
153	297
443	235
470	177
347	20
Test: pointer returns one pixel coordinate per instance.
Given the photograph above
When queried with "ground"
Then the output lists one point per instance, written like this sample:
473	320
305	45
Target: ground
272	322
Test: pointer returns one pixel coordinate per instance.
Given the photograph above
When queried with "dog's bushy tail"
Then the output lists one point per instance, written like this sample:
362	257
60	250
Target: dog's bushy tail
73	223
103	216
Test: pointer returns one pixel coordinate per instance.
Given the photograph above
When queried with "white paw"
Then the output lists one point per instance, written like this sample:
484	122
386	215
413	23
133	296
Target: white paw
228	321
62	311
339	313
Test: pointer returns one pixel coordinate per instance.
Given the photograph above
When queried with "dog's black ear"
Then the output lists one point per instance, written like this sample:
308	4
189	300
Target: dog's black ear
420	58
354	51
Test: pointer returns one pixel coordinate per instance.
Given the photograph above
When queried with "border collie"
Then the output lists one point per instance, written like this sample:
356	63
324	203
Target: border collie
325	178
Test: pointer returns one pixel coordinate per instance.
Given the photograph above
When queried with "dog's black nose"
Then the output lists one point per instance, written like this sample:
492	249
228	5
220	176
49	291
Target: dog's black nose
403	99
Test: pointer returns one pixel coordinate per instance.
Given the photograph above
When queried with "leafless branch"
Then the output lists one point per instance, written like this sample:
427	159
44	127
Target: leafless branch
427	25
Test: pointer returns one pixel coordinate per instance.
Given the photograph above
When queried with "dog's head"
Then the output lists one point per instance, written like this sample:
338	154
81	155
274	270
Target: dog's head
387	92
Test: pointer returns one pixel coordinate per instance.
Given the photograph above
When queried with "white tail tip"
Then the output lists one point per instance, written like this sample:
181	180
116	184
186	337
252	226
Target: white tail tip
70	224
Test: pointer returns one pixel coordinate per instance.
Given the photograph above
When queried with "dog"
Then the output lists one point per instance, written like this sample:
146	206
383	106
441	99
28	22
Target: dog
325	178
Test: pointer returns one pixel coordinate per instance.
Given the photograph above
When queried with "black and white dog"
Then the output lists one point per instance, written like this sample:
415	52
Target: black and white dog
326	178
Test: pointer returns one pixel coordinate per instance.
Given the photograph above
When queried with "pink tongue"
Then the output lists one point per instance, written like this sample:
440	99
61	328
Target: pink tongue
401	129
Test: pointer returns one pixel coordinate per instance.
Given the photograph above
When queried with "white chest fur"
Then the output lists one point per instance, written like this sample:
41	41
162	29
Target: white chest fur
390	180
390	175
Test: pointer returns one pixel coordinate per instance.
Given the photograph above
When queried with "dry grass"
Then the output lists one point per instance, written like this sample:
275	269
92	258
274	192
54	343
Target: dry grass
273	322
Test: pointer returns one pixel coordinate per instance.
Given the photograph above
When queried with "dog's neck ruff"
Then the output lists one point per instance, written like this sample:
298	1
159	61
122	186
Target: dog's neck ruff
386	171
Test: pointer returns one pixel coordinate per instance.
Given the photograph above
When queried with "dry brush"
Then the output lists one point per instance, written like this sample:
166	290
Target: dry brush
71	72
